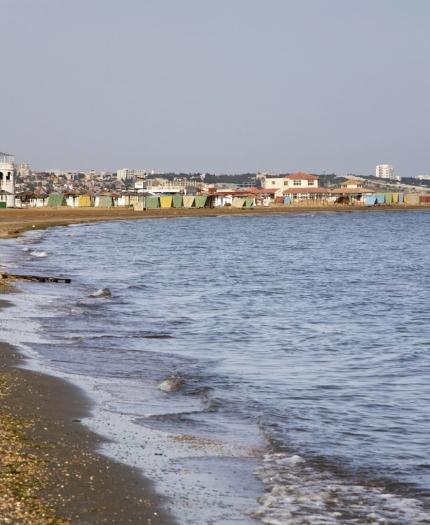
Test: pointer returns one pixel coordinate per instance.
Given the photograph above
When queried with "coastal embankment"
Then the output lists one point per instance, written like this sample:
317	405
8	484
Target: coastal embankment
49	470
13	222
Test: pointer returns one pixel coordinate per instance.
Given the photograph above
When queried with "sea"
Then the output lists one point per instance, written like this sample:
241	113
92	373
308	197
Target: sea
259	369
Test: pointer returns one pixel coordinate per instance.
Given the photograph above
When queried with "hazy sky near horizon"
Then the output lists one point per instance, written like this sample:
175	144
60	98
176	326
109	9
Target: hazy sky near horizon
216	85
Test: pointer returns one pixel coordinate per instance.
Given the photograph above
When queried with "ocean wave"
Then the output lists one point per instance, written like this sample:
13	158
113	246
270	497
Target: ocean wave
296	493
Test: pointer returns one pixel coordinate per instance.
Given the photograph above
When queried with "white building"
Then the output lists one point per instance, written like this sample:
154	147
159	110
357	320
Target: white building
272	183
158	186
352	183
126	174
7	181
385	171
23	169
295	180
301	180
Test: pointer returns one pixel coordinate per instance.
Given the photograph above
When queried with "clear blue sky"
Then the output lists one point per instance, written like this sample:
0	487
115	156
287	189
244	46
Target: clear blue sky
216	85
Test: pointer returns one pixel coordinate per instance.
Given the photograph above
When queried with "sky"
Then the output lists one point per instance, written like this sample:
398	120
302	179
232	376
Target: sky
219	86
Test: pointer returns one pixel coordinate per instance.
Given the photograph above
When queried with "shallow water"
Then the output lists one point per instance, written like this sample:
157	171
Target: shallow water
301	344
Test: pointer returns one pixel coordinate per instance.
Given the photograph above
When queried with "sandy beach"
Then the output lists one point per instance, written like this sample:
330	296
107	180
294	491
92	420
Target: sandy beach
13	222
50	472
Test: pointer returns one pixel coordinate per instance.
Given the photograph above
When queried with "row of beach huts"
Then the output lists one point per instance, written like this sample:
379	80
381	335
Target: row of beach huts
242	198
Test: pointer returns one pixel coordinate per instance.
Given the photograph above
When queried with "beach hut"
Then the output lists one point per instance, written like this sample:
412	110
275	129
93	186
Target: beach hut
104	201
123	201
139	203
55	200
166	201
127	200
152	202
134	199
200	201
177	201
412	199
395	198
31	200
222	199
388	198
188	201
370	200
37	201
238	202
85	201
71	200
249	202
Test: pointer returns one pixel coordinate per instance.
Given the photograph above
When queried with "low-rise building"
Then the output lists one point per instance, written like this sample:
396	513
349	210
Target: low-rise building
127	174
301	180
306	193
272	183
295	180
352	183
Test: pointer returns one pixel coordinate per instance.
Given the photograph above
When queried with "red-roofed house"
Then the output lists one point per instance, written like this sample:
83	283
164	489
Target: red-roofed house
301	180
302	187
295	180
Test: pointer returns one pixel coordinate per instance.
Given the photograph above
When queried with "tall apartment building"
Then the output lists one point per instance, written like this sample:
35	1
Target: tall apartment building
385	171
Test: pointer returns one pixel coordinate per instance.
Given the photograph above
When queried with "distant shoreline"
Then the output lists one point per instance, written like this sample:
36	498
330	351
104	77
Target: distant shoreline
14	222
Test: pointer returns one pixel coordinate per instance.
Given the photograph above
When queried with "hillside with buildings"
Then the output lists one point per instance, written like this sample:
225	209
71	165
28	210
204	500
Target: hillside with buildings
20	186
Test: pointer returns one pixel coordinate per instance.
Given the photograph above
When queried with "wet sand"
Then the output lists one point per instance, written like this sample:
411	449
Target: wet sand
49	470
13	222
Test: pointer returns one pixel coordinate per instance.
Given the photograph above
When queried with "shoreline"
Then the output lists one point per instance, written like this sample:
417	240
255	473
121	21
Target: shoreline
14	222
50	470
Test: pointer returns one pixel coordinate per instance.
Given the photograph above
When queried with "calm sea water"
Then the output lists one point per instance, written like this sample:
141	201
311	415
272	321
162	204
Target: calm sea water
301	344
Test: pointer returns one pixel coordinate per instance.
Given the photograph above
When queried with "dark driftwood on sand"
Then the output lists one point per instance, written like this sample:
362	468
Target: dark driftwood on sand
35	278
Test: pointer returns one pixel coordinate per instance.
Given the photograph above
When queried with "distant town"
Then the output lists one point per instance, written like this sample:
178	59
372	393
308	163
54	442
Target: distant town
21	187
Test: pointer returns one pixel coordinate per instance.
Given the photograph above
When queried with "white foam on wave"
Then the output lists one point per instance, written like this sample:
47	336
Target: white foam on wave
299	494
36	253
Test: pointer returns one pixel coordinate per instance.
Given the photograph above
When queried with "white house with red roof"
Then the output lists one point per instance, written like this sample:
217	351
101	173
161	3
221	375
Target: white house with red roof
300	180
295	180
303	186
